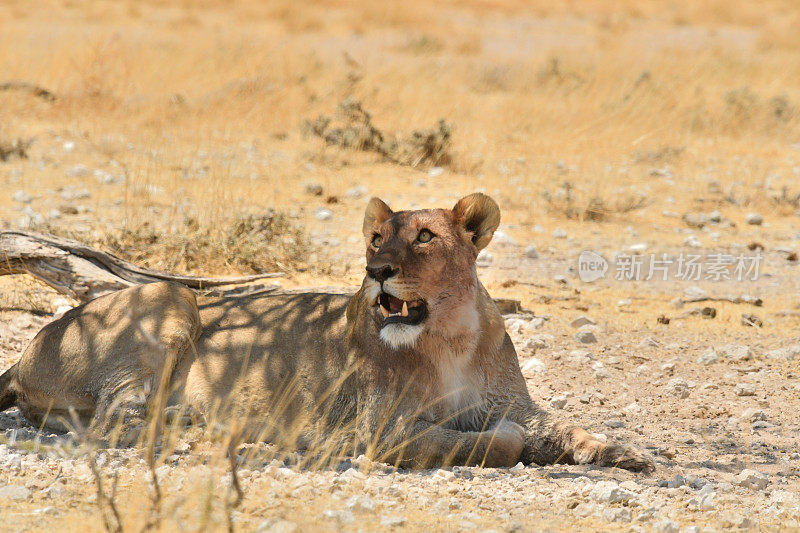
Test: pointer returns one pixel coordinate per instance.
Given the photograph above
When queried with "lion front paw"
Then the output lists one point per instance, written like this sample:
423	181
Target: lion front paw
627	457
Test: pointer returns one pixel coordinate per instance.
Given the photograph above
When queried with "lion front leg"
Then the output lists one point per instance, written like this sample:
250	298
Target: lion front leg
428	445
549	442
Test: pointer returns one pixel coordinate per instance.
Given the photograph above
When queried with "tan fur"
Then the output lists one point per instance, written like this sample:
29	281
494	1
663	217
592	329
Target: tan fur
307	369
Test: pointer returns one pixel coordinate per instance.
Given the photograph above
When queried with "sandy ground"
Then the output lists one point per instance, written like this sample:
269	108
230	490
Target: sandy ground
634	130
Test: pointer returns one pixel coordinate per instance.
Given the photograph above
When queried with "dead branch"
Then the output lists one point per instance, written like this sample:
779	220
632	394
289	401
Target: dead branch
84	272
24	86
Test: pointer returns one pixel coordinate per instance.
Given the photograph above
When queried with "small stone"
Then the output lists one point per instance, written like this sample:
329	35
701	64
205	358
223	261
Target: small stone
356	192
68	146
435	171
745	389
789	353
692	242
313	188
637	248
531	253
753	415
341	516
517	468
534	364
77	171
501	238
484	259
694	294
752	479
361	504
616	514
393	521
559	233
632	409
709	357
585	337
666	526
277	525
754	219
582	320
615	424
751	320
14	493
322	213
558	402
22	197
677	387
609	492
736	352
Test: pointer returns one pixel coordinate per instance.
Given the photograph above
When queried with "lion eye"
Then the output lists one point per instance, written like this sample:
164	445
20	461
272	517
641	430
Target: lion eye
424	236
377	240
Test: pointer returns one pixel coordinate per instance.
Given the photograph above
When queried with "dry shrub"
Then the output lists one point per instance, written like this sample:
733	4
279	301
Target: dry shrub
249	244
351	127
572	204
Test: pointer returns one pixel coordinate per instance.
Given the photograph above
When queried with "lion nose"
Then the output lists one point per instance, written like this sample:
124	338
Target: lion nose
381	273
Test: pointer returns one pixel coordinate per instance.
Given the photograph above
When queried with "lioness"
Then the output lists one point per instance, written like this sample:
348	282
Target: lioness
415	369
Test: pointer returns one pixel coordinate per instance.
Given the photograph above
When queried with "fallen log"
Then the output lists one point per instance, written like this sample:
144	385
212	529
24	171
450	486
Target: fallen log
84	272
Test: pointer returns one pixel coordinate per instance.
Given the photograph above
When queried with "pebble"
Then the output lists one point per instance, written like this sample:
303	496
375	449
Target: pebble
502	238
745	389
361	504
484	259
736	352
678	387
341	516
789	353
582	320
313	188
692	242
77	171
534	364
709	357
558	402
531	253
666	526
14	492
393	521
753	479
559	233
585	337
356	192
616	514
22	197
754	219
68	147
609	492
322	213
435	171
277	525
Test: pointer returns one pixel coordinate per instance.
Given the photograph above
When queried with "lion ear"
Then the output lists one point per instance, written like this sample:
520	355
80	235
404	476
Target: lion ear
479	216
376	214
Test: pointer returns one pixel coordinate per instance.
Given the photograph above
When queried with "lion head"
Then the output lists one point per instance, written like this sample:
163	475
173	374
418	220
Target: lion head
421	267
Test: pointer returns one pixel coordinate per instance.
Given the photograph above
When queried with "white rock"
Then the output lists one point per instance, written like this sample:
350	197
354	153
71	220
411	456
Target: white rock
558	402
22	197
753	479
559	233
609	492
341	516
585	337
77	171
694	294
14	492
677	387
692	242
582	320
736	352
754	219
277	525
534	364
68	147
484	259
501	238
360	503
322	213
745	389
531	253
638	248
616	514
709	357
435	171
632	408
356	192
790	353
666	526
393	521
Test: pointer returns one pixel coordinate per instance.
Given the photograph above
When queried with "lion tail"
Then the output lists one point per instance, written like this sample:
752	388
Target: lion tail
8	388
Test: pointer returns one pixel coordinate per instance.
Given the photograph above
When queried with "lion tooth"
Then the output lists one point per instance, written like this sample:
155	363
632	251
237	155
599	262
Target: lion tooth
385	312
405	309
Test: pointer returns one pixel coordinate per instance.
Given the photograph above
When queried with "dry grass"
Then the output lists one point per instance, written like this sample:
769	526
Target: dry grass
586	115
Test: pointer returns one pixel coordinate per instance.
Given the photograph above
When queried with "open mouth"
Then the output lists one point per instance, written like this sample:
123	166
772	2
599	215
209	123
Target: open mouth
397	311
